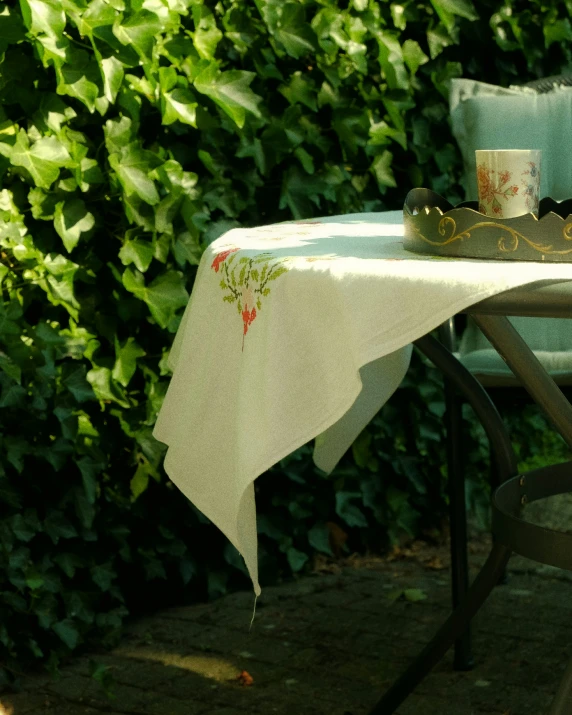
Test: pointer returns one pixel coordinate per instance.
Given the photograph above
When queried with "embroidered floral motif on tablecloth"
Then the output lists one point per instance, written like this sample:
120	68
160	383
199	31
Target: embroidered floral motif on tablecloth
246	280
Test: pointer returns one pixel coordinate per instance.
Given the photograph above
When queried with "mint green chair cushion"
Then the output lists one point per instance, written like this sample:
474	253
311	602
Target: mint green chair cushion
549	338
487	117
484	116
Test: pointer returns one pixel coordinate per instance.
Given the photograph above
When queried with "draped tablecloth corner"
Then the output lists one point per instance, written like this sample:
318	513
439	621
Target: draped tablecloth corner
301	331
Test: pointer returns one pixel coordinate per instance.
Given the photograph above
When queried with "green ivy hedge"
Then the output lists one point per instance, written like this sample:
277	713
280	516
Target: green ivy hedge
133	133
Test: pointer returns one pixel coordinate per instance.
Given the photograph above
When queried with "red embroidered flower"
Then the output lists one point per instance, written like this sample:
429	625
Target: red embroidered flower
497	208
514	190
221	257
247	318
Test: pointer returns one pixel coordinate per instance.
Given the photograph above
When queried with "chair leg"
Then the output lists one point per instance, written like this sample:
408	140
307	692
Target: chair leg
496	481
445	637
458	519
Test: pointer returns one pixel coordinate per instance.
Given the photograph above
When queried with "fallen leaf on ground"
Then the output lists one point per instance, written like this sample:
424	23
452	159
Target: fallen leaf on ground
414	594
435	563
408	594
244	678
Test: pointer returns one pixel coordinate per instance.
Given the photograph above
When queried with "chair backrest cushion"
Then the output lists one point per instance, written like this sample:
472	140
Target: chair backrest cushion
484	116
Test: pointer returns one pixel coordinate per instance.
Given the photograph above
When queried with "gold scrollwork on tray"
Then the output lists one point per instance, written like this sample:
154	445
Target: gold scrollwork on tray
507	244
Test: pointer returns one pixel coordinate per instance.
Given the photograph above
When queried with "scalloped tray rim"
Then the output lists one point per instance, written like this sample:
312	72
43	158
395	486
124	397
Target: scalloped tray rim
428	209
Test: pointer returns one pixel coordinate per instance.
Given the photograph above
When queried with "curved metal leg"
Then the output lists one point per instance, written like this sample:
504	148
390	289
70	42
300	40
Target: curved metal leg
489	575
477	397
562	703
457	504
456	624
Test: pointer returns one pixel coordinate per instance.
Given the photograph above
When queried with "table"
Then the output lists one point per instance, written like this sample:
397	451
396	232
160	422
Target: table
302	331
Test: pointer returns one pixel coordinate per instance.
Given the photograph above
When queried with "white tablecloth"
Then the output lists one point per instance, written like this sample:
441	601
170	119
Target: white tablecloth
298	331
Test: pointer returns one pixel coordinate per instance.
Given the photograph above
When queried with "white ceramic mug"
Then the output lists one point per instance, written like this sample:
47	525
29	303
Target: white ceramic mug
508	181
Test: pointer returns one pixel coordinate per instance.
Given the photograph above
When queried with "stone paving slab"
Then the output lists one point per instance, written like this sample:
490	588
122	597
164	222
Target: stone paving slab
329	644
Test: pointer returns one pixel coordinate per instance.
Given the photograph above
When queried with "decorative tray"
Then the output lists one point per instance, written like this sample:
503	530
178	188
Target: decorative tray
434	226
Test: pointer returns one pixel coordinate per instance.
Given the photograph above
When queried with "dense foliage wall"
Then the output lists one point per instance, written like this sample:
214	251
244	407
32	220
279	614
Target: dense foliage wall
132	133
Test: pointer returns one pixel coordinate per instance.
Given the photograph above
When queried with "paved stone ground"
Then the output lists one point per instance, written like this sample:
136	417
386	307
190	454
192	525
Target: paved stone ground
329	644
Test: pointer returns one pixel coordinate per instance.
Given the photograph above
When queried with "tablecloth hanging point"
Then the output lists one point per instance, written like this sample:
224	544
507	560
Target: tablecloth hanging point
253	613
434	226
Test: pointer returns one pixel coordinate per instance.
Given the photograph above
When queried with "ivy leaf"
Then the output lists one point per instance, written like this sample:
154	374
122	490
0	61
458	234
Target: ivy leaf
57	526
44	17
187	249
140	480
319	538
11	28
381	169
71	219
54	113
112	73
22	530
350	513
77	384
98	14
137	251
79	78
391	61
68	632
105	390
207	35
463	8
230	90
133	165
413	55
301	88
139	31
103	576
164	296
68	563
557	31
296	559
293	32
179	105
43	159
118	134
90	470
126	361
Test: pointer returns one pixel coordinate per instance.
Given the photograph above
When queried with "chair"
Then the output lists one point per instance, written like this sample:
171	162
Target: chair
551	341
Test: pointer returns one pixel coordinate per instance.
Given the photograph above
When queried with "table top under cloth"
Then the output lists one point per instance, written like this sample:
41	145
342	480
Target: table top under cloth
297	331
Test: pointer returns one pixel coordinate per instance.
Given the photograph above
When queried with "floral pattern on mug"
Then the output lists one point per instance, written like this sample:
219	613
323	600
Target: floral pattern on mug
492	189
530	187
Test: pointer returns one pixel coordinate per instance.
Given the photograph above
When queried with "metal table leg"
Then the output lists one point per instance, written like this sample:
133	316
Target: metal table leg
457	507
455	625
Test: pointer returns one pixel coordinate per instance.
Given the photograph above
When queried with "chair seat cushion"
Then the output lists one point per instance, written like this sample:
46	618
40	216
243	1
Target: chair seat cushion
550	339
489	363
